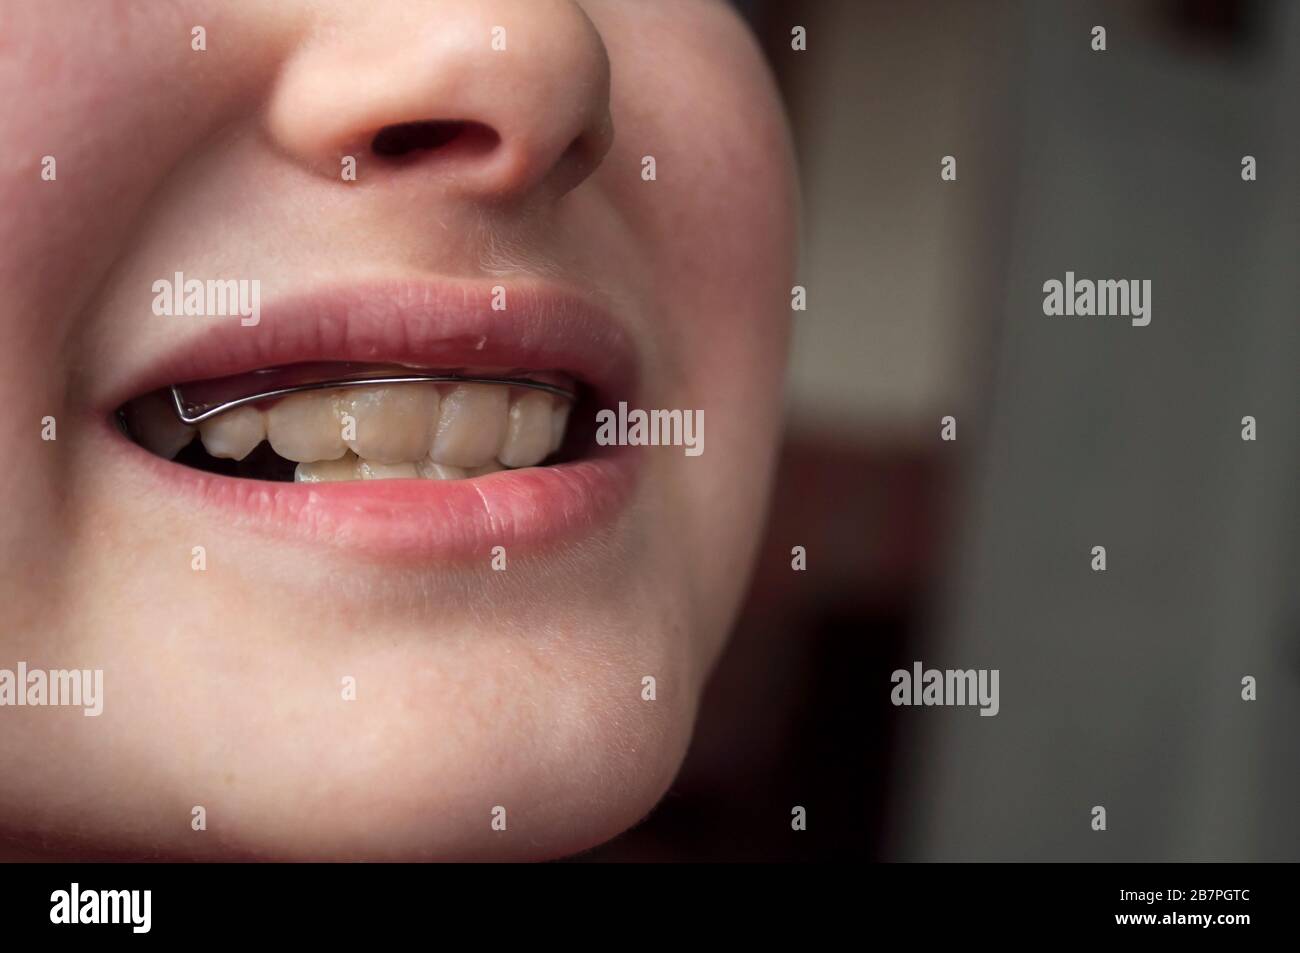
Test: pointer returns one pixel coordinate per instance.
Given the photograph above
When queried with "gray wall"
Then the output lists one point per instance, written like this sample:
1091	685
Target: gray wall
1121	688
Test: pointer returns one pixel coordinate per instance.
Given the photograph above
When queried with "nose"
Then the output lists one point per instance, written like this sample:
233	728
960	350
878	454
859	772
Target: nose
496	99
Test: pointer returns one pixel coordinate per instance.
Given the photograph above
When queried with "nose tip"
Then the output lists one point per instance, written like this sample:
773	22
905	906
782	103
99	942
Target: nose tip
498	100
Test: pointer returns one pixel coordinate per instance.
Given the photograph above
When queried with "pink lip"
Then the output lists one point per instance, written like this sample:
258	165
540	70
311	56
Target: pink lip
408	322
419	324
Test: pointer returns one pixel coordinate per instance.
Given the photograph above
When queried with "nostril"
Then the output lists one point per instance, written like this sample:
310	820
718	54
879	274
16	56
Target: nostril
401	139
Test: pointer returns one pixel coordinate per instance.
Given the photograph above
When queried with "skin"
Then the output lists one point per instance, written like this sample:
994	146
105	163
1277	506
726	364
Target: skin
475	689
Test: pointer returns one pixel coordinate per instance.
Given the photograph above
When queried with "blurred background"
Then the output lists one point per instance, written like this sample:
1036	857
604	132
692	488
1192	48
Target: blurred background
1119	688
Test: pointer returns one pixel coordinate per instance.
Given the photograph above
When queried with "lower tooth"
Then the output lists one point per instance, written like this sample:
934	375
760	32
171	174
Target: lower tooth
493	467
327	471
429	470
370	470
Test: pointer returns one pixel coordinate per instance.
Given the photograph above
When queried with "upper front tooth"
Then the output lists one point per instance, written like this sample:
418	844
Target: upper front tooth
392	423
528	434
152	420
305	427
471	426
234	434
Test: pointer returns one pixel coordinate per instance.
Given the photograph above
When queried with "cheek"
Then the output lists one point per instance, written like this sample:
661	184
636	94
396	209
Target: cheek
720	220
717	229
728	247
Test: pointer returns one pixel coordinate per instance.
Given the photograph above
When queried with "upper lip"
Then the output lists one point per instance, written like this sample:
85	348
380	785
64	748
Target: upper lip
408	321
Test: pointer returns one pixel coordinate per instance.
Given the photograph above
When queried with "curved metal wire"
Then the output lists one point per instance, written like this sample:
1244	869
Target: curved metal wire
192	413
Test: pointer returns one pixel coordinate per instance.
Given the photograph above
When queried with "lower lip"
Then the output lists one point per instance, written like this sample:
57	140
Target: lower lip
408	520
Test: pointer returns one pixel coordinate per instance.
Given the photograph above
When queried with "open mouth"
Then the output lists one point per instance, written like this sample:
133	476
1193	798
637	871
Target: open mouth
296	429
381	422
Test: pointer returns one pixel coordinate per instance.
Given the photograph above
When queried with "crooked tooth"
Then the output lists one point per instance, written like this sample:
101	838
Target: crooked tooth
152	420
471	425
234	434
528	429
559	419
305	427
429	470
327	471
373	470
392	423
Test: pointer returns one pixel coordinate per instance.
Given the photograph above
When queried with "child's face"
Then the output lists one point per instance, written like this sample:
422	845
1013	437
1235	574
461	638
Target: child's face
353	669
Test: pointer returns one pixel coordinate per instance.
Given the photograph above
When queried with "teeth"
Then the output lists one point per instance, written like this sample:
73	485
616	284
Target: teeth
472	425
234	434
327	471
433	432
371	470
392	423
153	421
436	471
528	430
305	427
